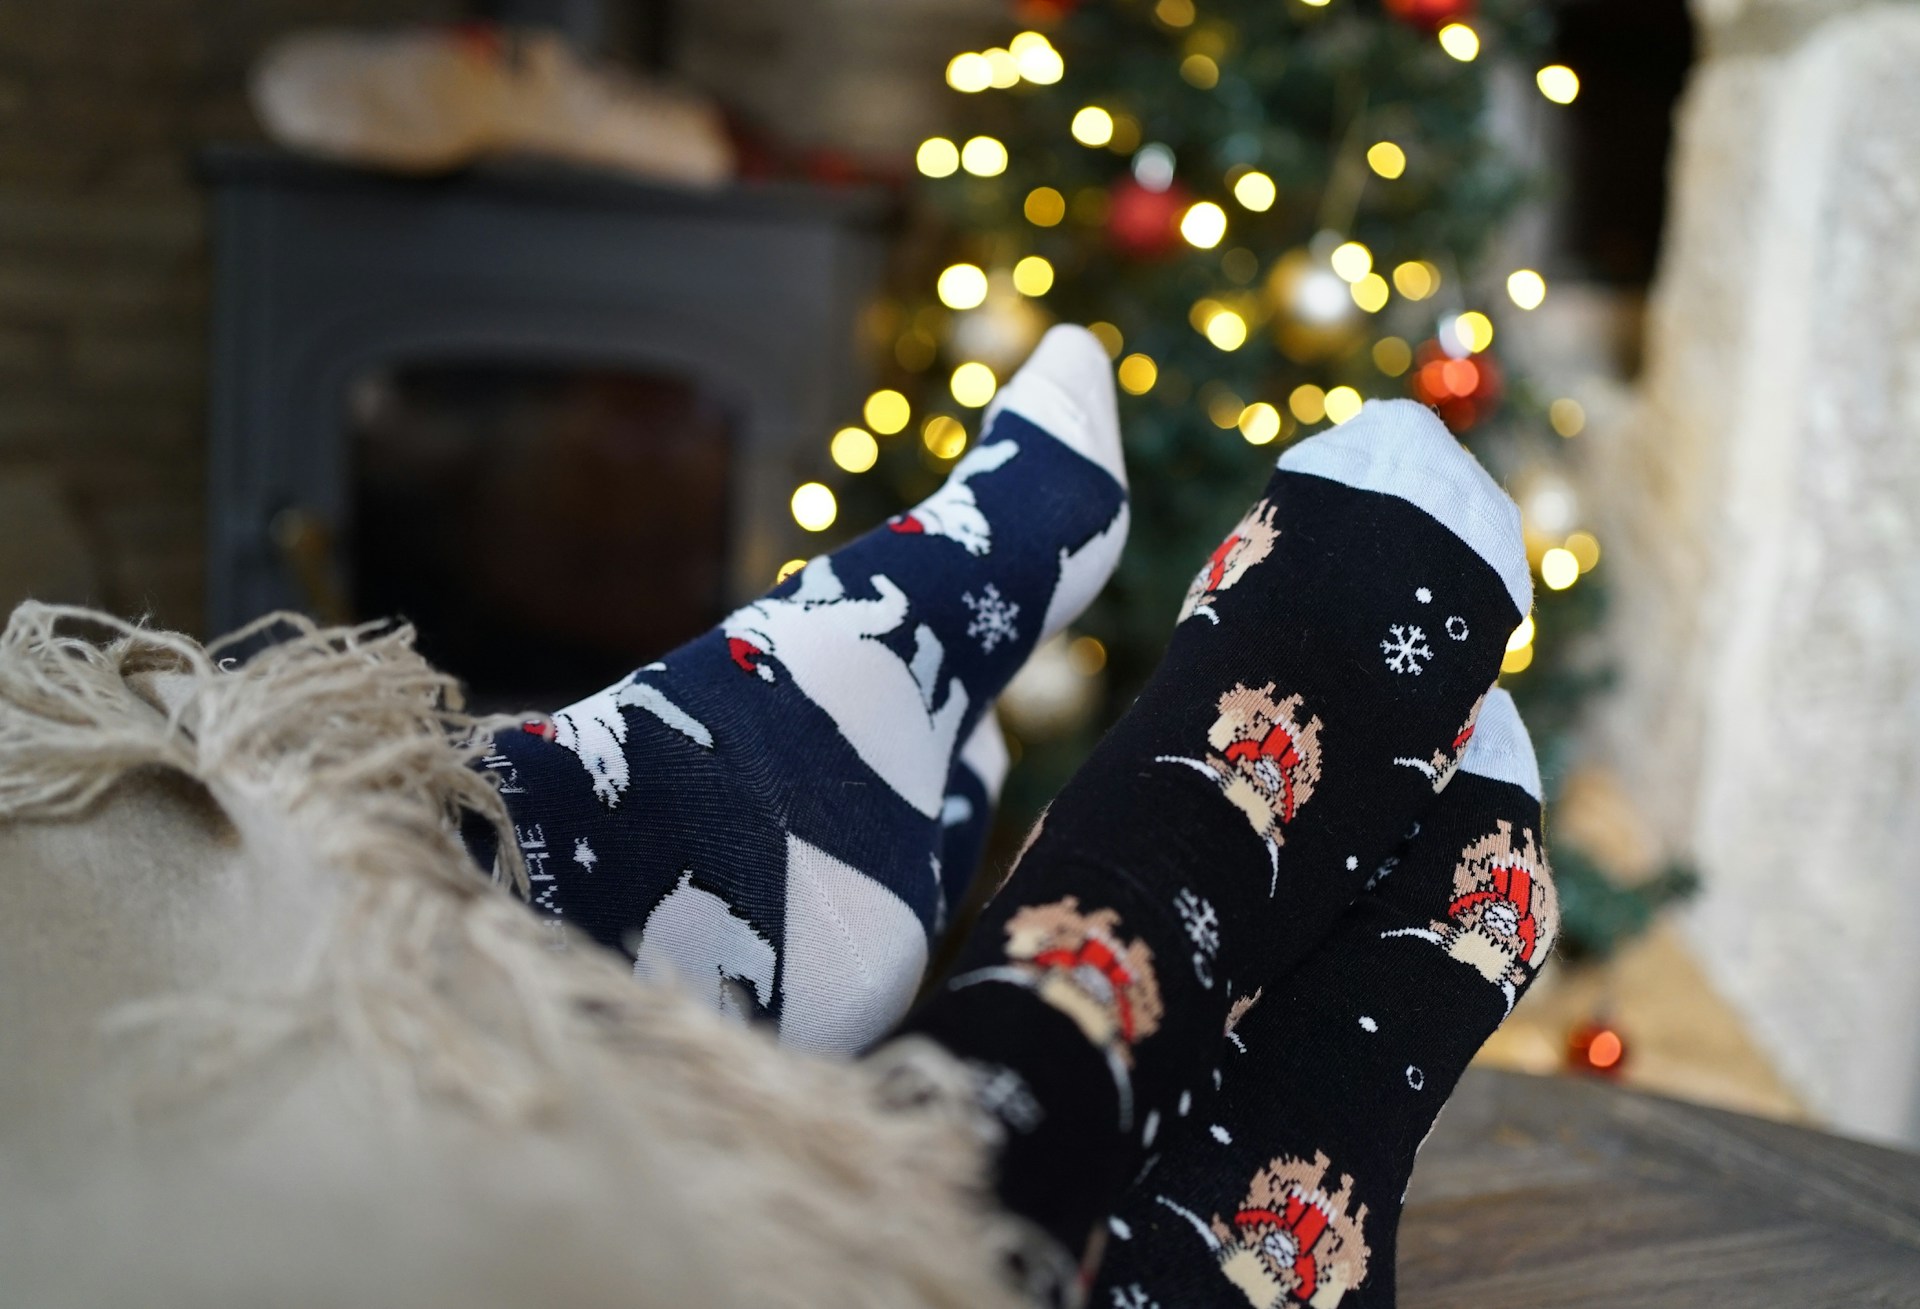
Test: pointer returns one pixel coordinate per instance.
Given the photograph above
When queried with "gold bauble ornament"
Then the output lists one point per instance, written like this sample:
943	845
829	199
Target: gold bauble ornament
1002	332
1314	316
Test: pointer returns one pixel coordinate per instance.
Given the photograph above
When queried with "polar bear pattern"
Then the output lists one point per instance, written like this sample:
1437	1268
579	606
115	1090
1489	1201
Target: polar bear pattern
596	732
694	939
952	511
883	705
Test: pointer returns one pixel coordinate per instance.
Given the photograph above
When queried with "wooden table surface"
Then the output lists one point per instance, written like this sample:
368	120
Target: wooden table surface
1543	1193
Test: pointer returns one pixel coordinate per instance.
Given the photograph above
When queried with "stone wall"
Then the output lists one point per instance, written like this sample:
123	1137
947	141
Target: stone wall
1766	541
104	281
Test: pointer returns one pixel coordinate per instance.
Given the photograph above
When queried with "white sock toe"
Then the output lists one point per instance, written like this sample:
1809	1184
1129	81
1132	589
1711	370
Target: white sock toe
1500	748
1400	448
1066	388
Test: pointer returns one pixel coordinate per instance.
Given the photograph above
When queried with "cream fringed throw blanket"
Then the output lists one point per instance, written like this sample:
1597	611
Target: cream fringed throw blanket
266	1039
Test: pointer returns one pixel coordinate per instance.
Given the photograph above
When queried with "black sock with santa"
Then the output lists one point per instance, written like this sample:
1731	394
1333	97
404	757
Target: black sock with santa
1314	696
1286	1188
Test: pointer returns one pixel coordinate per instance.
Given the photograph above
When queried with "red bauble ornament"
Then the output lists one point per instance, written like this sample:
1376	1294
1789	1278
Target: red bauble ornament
1597	1048
1143	223
1463	390
1429	15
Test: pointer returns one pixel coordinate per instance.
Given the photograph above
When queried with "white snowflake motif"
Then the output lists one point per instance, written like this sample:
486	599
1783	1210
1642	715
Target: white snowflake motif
1133	1297
993	617
1457	628
583	854
1202	922
1406	649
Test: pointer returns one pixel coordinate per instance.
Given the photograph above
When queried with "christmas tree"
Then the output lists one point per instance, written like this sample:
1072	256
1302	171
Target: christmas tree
1269	211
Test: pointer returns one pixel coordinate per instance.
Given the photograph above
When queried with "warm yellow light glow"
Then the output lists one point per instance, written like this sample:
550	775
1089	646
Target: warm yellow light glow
1522	636
1255	191
973	384
887	412
1460	41
788	569
1392	356
1352	261
1227	330
1093	126
1126	134
1567	417
1200	71
983	157
1039	62
1259	423
1585	549
962	286
969	72
1005	70
1474	329
1559	568
1316	4
1558	83
1308	402
1517	661
1342	403
1033	276
1174	13
1045	207
1223	406
944	437
937	157
854	449
1202	313
1370	293
1526	288
1138	373
1416	279
1203	224
1387	159
1109	338
814	507
1087	654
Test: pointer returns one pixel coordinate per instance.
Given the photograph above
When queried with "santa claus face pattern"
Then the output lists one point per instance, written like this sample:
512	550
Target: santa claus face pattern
1251	541
1292	1242
1081	965
1265	756
1505	914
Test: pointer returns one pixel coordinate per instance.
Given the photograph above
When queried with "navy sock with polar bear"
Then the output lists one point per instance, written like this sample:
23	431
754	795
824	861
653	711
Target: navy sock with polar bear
761	813
1317	690
1285	1189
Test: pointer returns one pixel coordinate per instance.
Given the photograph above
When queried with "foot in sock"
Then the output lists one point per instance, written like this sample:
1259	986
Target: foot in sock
1313	697
1286	1189
966	815
761	812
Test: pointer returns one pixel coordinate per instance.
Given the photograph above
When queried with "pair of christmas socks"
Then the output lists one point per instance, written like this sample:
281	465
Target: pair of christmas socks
1317	692
782	813
1285	1187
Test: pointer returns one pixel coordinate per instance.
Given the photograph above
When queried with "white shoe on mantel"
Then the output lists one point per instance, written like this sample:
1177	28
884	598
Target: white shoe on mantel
431	99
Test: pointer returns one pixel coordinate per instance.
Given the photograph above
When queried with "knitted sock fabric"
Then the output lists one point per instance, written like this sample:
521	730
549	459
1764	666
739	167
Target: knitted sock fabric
1287	1189
966	815
760	813
1314	695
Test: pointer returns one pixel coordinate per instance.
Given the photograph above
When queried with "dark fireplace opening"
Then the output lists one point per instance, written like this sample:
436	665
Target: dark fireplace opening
546	528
